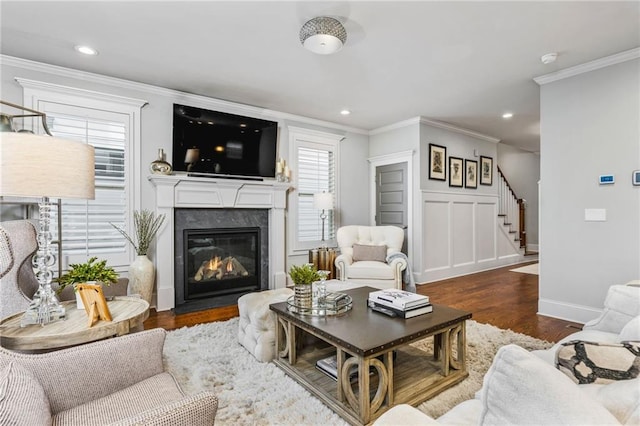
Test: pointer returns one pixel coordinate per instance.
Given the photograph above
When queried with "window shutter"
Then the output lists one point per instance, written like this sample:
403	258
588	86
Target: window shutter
86	229
316	173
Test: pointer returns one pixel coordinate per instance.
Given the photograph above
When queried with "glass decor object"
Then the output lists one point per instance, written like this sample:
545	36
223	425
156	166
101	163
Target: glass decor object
40	166
160	166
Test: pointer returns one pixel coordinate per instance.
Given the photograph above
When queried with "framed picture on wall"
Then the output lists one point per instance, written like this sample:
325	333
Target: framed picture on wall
486	171
437	165
470	174
456	172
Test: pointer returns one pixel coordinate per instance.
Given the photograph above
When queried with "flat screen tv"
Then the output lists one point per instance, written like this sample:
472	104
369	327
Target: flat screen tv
222	144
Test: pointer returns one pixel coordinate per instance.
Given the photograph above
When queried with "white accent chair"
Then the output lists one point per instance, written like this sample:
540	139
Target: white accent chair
374	273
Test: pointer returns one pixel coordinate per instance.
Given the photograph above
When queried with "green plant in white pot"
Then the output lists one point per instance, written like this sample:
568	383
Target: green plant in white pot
142	272
89	272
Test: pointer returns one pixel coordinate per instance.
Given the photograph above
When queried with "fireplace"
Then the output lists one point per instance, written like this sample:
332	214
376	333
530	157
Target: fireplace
221	261
220	254
211	203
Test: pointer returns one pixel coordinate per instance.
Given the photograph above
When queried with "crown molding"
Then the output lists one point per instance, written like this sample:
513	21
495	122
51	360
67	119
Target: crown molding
197	100
433	123
456	129
90	94
618	58
394	126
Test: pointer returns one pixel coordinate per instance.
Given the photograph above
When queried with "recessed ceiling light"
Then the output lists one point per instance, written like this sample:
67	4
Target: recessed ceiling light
507	115
345	112
243	125
86	50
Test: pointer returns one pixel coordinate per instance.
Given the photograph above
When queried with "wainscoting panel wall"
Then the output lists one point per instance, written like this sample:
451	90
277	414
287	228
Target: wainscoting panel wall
461	236
486	216
436	230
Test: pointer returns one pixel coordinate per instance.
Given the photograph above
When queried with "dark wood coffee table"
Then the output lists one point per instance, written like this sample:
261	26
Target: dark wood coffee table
404	374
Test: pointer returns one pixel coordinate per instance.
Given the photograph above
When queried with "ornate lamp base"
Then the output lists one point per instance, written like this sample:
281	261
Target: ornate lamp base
44	307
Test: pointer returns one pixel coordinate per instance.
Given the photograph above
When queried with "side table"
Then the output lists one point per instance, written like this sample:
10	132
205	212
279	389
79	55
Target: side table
128	313
324	259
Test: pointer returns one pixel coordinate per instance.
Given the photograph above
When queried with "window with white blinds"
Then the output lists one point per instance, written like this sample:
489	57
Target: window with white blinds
314	157
86	229
316	173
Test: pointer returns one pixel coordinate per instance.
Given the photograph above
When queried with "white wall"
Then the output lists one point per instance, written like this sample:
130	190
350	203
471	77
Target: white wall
522	170
453	231
460	231
590	125
157	125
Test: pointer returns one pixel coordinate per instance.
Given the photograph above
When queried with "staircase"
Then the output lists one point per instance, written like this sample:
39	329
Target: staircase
511	209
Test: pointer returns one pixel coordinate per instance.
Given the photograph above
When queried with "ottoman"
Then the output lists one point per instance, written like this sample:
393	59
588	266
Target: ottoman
257	329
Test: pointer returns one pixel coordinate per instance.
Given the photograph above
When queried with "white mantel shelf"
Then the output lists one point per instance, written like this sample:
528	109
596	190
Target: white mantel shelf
182	191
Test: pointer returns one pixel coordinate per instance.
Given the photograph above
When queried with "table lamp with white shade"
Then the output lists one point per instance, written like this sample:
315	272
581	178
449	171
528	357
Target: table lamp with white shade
323	201
45	167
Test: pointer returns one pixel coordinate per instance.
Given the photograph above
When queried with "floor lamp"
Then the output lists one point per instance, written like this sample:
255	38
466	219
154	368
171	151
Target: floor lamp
44	167
323	201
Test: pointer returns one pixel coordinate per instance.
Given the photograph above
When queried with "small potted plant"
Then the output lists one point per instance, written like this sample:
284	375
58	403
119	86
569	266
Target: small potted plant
303	277
91	271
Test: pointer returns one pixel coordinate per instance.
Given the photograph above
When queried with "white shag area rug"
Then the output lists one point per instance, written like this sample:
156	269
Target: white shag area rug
209	357
529	269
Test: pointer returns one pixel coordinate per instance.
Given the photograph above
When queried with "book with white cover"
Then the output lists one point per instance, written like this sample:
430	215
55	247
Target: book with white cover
400	299
401	313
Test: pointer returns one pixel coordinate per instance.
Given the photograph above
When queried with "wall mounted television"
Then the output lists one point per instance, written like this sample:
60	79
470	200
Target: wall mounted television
227	145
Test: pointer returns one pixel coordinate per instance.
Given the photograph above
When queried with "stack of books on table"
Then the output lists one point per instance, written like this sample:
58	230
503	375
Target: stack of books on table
399	303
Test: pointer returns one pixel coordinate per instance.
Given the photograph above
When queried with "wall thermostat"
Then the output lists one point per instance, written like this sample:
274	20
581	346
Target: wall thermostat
606	179
636	177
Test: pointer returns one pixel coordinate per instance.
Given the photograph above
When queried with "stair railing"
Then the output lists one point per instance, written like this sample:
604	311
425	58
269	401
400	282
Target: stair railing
512	208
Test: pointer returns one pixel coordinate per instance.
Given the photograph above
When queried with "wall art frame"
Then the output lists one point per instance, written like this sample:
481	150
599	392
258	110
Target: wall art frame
486	170
471	174
456	172
437	162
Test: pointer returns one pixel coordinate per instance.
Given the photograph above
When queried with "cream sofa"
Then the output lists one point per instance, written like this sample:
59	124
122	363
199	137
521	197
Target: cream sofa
379	271
526	387
115	381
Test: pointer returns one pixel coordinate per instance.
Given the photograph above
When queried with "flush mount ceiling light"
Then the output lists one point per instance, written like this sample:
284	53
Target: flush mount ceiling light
323	35
86	50
549	58
345	112
507	115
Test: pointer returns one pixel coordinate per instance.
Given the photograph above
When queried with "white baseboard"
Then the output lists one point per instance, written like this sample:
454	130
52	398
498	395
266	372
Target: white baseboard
532	247
443	273
567	311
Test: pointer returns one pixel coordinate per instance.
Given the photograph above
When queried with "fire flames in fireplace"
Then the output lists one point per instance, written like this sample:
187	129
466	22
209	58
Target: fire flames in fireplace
219	269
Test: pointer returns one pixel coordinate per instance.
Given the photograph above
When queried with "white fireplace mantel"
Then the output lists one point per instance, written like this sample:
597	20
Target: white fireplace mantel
181	191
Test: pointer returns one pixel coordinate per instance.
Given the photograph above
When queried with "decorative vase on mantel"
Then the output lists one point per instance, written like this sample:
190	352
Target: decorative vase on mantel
142	275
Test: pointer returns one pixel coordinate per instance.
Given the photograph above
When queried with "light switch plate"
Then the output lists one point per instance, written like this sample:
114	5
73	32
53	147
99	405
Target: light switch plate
595	215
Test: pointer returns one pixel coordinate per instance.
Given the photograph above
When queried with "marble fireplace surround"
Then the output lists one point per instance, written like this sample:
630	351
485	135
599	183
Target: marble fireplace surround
181	191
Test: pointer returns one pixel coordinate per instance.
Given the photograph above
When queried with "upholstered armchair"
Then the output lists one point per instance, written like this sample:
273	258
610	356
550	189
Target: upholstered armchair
371	255
18	283
118	381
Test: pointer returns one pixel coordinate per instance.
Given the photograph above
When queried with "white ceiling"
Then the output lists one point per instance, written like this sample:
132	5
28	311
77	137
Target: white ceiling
464	63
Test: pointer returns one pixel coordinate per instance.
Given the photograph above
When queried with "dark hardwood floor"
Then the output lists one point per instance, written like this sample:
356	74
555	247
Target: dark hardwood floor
499	297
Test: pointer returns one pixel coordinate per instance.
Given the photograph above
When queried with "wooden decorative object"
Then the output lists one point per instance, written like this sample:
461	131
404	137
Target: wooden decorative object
94	303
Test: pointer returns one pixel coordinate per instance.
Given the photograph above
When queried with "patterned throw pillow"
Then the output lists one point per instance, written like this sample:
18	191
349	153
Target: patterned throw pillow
363	252
588	362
